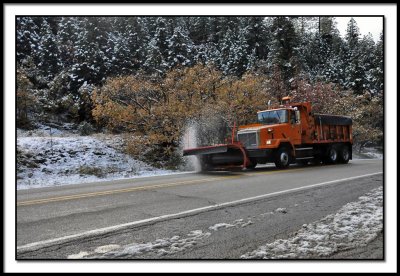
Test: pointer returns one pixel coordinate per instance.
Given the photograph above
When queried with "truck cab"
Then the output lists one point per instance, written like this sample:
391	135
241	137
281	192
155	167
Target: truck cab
285	124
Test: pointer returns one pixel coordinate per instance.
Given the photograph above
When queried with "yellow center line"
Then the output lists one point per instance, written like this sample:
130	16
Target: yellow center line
277	171
109	192
142	188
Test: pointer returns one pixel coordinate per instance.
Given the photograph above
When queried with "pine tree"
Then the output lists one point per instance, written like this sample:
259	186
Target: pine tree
377	71
352	34
283	47
367	59
68	36
155	61
354	70
199	29
28	37
46	54
257	35
180	48
235	54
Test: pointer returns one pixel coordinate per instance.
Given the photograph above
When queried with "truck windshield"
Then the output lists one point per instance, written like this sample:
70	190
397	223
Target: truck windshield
273	117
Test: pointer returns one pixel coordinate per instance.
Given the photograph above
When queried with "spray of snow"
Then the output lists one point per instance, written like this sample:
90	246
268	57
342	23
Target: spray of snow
209	128
189	140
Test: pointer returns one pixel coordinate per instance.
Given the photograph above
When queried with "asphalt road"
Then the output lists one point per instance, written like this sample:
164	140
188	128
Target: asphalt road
58	222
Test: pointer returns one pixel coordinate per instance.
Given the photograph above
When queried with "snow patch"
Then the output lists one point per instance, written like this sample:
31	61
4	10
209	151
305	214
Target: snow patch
354	225
80	255
106	248
217	226
160	247
368	152
281	210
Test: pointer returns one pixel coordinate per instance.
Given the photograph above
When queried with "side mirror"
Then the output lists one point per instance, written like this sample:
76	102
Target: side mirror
297	112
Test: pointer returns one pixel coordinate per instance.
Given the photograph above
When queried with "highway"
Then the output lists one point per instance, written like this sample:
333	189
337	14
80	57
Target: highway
64	221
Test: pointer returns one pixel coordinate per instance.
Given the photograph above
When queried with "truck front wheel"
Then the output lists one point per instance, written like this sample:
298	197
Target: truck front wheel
282	158
252	165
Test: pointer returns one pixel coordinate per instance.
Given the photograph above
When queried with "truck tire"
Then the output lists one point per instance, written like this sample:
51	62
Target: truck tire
302	162
282	158
344	154
331	155
316	160
252	165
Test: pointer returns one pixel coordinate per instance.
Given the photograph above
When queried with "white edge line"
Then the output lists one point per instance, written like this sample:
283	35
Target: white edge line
40	244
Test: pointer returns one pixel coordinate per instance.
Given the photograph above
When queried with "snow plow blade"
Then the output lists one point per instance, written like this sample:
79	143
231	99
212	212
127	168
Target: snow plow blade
228	156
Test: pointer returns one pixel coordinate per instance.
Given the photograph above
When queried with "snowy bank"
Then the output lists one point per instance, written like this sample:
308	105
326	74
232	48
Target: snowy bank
66	158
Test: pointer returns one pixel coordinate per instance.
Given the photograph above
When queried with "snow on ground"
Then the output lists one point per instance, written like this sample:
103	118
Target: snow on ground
66	158
369	153
354	225
160	247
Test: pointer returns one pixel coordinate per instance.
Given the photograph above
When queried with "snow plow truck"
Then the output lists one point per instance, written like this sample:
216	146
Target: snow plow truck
285	134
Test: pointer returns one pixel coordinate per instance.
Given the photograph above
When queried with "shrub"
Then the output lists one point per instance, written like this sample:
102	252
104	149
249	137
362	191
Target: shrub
85	128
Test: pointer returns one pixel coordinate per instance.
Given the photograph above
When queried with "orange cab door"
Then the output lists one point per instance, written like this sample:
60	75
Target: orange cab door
295	128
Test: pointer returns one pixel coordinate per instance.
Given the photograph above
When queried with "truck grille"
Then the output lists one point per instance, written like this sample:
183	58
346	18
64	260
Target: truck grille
248	139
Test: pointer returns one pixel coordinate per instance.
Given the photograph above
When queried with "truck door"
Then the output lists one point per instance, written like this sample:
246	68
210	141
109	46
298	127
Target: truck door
295	127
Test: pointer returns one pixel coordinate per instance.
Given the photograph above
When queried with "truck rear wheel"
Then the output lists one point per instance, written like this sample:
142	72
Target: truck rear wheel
282	158
344	154
331	156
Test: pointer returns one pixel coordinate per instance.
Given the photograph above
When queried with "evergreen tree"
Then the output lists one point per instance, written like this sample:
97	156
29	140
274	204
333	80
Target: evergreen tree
28	37
367	59
283	47
68	36
354	70
352	34
155	61
199	29
234	53
257	36
377	70
180	48
47	56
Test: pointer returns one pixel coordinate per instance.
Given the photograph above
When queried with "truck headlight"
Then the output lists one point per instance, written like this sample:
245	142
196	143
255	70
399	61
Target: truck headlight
269	142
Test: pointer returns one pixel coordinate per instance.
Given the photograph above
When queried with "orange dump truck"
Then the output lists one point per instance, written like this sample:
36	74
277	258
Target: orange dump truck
290	133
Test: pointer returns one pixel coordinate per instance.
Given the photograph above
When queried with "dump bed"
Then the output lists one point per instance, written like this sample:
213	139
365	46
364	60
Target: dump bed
332	128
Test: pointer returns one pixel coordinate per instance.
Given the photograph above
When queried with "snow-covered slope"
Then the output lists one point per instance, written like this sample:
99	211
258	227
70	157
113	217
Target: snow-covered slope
67	158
